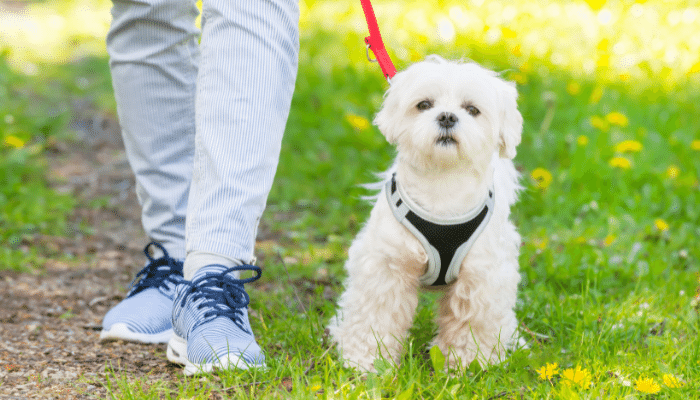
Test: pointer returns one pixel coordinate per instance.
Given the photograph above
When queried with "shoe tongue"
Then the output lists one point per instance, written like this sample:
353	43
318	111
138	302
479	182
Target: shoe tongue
164	266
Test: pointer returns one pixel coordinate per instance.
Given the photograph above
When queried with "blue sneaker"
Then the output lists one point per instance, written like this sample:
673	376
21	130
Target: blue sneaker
210	322
145	314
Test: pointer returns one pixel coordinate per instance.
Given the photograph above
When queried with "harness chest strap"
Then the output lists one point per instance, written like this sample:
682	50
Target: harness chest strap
446	240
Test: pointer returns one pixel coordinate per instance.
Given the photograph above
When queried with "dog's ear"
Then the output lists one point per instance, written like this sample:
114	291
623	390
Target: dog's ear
384	120
511	126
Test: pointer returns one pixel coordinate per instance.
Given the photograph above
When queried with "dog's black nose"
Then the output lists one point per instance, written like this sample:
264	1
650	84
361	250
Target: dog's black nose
447	120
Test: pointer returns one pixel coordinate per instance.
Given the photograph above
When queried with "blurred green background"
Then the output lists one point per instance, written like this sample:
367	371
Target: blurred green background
610	159
608	90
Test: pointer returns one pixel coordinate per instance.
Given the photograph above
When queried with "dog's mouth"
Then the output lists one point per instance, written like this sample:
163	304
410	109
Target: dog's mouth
446	139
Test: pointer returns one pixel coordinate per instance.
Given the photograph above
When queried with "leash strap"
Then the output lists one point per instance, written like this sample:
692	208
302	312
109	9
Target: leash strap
374	42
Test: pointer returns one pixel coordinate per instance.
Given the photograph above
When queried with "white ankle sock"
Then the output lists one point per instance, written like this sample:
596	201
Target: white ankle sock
198	259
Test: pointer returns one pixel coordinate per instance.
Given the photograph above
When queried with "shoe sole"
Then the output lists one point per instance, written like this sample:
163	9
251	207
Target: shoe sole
177	353
121	331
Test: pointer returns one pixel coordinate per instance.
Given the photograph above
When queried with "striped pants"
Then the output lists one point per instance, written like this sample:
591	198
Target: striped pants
202	123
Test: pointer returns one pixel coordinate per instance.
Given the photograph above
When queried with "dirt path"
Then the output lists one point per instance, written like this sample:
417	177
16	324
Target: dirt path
50	319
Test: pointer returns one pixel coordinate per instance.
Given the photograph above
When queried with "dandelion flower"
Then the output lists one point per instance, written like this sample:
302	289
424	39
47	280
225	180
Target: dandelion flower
661	225
579	377
695	145
620	162
541	244
672	172
357	122
599	123
628	146
582	140
315	387
518	78
610	239
596	4
694	69
671	381
14	141
596	95
647	385
548	371
573	88
508	33
617	118
542	177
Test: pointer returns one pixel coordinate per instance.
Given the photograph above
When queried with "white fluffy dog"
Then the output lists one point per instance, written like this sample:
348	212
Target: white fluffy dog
455	126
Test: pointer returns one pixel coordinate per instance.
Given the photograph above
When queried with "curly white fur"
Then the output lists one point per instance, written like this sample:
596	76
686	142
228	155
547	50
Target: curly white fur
446	178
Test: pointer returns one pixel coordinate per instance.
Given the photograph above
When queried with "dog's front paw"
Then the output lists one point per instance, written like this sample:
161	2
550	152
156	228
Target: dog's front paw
361	363
358	350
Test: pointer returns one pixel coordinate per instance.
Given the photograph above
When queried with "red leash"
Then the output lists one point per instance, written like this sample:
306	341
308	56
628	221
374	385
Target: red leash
374	42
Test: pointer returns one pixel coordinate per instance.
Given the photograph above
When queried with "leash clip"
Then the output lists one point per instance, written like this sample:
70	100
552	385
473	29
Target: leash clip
374	41
368	56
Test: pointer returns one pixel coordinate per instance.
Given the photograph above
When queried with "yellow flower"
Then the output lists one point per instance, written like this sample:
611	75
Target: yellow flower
672	172
582	140
620	162
14	141
671	381
596	4
599	123
516	51
695	68
695	145
579	377
647	385
548	371
357	122
617	118
315	387
541	244
415	56
573	88
628	146
661	225
610	239
508	33
526	67
596	95
542	177
518	78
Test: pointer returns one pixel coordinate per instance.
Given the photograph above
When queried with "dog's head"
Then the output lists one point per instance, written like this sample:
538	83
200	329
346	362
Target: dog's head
440	113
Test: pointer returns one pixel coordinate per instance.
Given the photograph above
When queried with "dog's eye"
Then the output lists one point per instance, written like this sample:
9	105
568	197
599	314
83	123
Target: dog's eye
424	105
473	111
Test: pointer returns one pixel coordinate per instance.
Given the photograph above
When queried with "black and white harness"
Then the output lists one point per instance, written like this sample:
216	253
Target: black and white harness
446	240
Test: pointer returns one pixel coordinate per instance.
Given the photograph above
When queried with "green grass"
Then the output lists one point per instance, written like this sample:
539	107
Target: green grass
31	117
609	258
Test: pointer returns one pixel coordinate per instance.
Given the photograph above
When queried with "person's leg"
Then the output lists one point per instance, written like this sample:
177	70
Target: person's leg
153	53
153	57
244	91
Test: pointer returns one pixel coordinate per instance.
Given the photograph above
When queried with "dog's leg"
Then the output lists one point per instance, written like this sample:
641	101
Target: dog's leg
375	312
476	318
